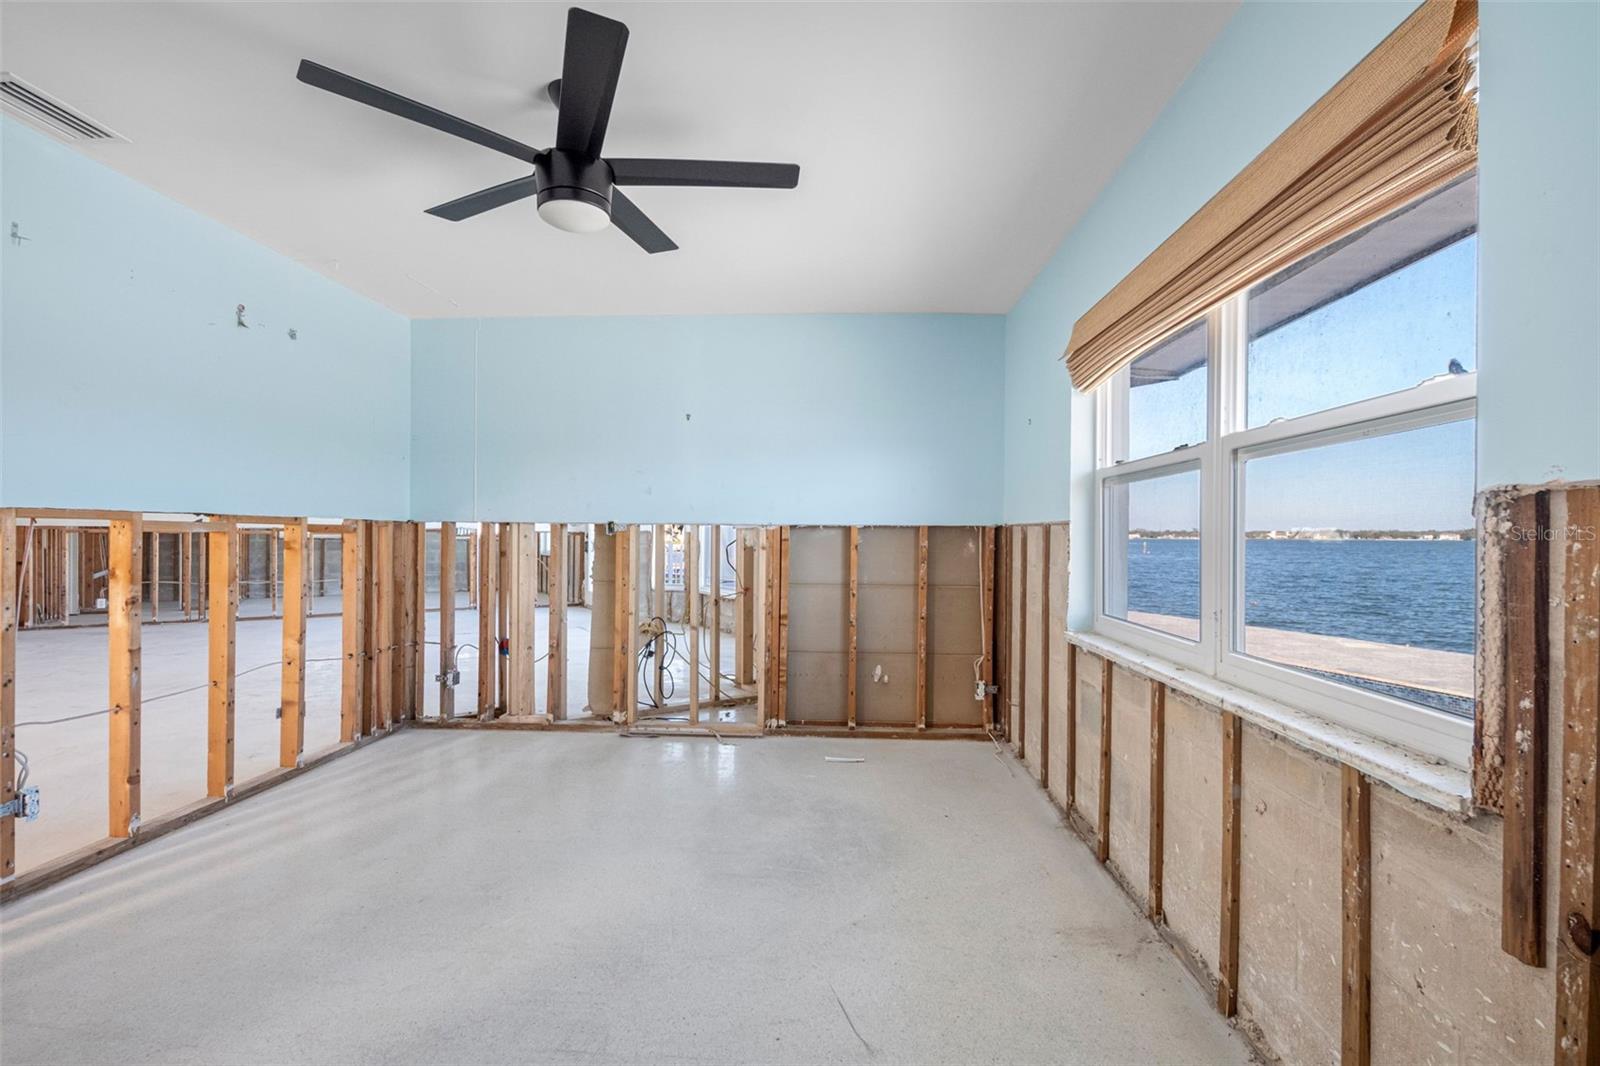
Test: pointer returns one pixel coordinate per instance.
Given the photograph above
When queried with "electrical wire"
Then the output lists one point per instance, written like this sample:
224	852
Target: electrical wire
175	692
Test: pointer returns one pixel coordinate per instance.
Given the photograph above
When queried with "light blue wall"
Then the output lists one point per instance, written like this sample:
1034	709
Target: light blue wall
127	384
792	418
1539	250
1539	383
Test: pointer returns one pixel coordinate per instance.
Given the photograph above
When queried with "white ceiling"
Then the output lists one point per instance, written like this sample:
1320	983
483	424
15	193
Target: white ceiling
945	149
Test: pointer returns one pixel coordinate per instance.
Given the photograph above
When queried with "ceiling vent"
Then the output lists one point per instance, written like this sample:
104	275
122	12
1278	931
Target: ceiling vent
43	111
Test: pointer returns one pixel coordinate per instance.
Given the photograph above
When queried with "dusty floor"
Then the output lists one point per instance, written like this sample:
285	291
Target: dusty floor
62	674
499	897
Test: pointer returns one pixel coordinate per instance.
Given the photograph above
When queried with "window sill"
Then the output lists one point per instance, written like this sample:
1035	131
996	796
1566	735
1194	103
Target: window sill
1449	788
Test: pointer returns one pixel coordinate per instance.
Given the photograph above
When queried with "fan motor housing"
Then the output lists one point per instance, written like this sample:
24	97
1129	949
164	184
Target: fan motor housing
570	176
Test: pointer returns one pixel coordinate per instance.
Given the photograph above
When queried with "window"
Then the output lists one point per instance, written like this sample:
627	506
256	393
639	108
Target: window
1286	484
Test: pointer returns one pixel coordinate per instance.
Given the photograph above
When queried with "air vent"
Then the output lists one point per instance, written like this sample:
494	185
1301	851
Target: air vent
40	109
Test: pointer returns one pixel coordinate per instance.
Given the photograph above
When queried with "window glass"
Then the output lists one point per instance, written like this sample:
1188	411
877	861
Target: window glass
1359	563
1153	552
1167	395
1383	310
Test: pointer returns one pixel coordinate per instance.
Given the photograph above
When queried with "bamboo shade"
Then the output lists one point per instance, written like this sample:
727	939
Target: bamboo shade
1401	124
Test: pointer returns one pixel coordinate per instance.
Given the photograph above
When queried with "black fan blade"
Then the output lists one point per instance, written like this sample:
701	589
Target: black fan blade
589	73
627	217
477	203
705	172
363	92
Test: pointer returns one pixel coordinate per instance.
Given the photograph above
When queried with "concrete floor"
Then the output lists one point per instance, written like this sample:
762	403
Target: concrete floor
534	897
61	673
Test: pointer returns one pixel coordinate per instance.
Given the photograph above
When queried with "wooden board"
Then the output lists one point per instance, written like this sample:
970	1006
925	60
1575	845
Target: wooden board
1577	1007
353	628
691	603
556	672
8	687
292	697
447	618
1044	658
1020	708
1526	749
783	626
714	619
222	549
1228	947
852	607
124	614
922	627
1103	841
621	617
1356	905
524	625
1158	789
986	614
488	610
386	639
505	548
1072	728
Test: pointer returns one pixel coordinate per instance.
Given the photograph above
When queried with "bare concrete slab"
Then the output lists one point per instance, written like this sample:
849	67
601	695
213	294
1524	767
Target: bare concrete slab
475	897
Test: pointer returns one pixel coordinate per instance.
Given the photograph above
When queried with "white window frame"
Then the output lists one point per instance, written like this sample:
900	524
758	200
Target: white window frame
1220	459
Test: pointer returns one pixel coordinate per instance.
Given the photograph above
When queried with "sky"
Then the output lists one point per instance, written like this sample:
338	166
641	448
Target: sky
1390	335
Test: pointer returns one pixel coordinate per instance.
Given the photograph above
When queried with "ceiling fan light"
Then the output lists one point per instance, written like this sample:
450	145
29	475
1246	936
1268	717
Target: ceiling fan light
574	216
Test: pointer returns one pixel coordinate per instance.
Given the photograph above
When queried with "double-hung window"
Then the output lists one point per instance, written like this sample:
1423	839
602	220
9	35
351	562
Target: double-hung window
1285	484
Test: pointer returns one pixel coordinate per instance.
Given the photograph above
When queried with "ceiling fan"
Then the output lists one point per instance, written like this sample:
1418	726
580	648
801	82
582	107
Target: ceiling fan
576	189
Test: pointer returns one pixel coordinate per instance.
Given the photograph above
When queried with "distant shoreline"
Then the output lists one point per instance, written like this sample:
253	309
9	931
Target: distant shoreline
1444	535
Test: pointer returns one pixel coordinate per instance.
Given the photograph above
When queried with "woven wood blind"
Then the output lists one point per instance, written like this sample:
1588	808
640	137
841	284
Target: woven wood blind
1399	125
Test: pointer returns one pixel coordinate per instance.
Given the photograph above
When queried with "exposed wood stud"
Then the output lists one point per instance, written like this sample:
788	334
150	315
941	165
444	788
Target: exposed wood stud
1103	843
630	620
1577	979
447	619
1072	727
851	607
783	626
1526	604
223	596
1158	791
1045	634
155	576
1002	626
714	622
8	687
621	612
1020	739
417	660
292	700
658	608
372	650
691	611
744	623
1228	948
556	623
124	613
922	627
1356	897
505	548
766	625
383	603
405	620
488	606
353	628
986	614
524	624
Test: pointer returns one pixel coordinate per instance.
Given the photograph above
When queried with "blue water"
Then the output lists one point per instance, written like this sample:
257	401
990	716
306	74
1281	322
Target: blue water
1417	593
